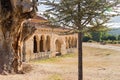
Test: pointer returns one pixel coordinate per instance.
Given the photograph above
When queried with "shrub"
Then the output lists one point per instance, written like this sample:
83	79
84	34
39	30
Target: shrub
114	42
91	41
110	37
119	37
86	38
109	42
118	42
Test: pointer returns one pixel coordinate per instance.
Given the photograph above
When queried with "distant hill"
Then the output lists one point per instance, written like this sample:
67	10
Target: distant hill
115	31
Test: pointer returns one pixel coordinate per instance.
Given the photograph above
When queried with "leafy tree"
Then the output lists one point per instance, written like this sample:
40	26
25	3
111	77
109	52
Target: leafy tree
96	36
14	30
111	37
77	14
119	37
104	35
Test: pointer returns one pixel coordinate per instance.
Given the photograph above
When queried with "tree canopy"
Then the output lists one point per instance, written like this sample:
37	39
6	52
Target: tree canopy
78	14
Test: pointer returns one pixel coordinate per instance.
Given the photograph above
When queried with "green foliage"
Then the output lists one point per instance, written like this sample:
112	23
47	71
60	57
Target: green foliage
111	37
77	14
100	37
91	41
111	42
86	38
118	42
96	36
119	37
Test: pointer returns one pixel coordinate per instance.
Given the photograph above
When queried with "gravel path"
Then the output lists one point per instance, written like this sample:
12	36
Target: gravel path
97	45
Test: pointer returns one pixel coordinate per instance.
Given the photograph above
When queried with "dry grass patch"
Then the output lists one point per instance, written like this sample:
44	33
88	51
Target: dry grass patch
90	51
55	77
100	64
56	59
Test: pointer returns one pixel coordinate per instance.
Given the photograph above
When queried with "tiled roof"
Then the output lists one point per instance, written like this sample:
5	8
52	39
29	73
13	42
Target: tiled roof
38	19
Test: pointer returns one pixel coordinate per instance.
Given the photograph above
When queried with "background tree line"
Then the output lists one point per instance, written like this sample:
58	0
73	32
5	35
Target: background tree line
101	36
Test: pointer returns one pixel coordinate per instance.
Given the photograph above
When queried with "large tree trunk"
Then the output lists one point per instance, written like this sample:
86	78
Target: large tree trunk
9	56
6	56
80	67
12	14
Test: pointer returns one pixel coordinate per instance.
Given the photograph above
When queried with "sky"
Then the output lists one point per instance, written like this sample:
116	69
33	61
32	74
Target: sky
42	8
113	22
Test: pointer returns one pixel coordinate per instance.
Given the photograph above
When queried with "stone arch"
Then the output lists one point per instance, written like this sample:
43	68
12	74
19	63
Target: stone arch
75	42
66	41
48	43
70	42
58	44
42	43
35	44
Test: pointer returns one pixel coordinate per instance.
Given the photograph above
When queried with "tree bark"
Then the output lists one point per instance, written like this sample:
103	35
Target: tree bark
80	67
13	14
6	56
9	57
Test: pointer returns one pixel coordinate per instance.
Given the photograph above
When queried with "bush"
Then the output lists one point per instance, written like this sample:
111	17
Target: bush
110	37
119	37
86	38
91	41
114	42
109	42
118	42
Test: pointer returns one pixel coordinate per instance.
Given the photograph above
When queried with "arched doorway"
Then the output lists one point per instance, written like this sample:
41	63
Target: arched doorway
48	43
75	42
42	43
58	47
66	40
70	42
35	44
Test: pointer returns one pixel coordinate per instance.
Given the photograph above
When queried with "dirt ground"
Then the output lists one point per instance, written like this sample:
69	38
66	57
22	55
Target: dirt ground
60	68
100	62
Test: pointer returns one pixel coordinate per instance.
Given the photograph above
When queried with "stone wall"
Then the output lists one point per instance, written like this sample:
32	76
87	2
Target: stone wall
47	42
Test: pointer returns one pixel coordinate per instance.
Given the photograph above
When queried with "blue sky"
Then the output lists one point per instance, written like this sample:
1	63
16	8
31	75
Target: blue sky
41	8
114	22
